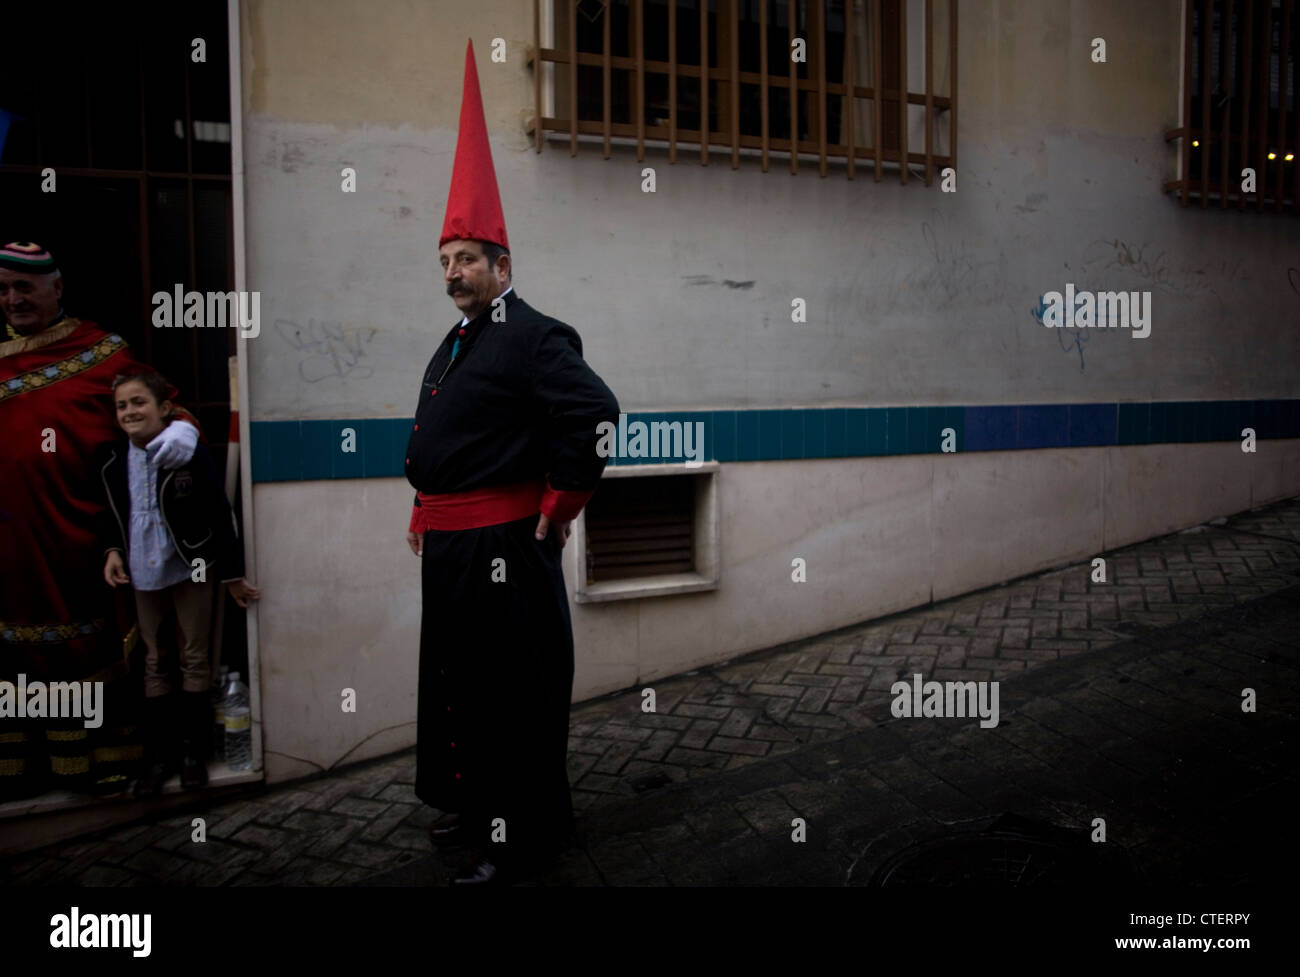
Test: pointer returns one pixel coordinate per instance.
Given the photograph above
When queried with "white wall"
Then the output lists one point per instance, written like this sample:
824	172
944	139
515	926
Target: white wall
915	297
879	535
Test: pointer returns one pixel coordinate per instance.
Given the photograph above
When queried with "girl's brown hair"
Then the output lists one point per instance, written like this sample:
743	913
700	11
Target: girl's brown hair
154	382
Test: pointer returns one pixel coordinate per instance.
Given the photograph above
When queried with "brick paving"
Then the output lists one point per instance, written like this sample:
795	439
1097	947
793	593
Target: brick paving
1096	702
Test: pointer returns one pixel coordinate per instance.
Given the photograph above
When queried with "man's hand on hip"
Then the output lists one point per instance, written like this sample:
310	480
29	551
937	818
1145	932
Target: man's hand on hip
562	530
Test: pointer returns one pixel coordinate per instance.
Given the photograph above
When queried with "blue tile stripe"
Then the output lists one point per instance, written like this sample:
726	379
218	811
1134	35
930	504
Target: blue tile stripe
288	451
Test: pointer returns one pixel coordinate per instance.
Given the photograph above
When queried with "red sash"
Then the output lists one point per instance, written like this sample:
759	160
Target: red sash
477	508
493	506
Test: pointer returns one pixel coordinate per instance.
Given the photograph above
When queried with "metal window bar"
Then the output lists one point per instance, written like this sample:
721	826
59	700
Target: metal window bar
537	67
876	58
902	85
734	11
1238	62
638	26
929	91
1282	89
819	6
762	70
850	105
1207	72
1226	82
834	139
1295	138
672	82
794	90
1246	88
704	82
605	74
1261	128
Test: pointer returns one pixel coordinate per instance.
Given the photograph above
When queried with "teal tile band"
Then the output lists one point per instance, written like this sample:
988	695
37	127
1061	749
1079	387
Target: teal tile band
291	451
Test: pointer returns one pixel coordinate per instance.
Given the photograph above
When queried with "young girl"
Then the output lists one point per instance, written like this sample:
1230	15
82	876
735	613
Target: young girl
172	528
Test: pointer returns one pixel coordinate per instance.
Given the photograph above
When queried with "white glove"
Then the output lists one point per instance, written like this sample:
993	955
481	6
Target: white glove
175	446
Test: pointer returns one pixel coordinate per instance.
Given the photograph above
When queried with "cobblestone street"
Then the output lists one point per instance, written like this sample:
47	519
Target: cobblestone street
1119	700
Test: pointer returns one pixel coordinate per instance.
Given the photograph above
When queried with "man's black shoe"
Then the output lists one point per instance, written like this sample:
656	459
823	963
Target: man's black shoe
446	830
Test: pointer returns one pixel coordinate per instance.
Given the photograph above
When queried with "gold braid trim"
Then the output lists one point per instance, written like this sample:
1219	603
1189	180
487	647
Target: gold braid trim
54	372
40	633
50	334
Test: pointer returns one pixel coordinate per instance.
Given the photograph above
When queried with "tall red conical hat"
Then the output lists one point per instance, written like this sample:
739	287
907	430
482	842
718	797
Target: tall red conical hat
473	203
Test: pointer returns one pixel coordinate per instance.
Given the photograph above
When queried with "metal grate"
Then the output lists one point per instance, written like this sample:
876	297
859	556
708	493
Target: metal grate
640	527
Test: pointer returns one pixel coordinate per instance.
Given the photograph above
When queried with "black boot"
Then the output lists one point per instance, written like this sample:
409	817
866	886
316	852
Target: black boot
159	745
197	724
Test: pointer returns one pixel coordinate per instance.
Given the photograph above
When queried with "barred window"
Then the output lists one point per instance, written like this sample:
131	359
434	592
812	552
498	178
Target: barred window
843	81
1239	106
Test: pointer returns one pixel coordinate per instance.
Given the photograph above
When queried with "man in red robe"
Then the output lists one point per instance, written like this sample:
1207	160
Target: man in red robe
57	617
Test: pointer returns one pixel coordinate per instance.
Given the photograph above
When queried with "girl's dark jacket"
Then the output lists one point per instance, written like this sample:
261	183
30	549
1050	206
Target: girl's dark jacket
194	509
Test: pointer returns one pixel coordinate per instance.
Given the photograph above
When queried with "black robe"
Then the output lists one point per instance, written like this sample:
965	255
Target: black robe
496	658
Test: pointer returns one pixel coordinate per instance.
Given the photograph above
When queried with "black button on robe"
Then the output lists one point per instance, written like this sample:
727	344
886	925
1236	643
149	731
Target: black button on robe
496	657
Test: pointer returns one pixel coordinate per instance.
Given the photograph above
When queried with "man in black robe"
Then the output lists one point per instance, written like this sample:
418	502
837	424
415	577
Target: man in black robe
503	455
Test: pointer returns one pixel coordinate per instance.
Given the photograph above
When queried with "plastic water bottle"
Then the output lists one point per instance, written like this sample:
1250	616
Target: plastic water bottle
239	725
219	714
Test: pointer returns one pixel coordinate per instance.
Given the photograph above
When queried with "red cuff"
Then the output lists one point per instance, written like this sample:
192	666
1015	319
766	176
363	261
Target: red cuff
561	506
415	518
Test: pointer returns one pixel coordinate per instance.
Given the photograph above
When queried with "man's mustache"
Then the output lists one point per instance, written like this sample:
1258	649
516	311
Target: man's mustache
454	289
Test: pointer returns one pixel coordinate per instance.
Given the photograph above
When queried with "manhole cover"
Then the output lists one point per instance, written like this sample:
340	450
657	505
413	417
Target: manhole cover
1012	853
649	781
